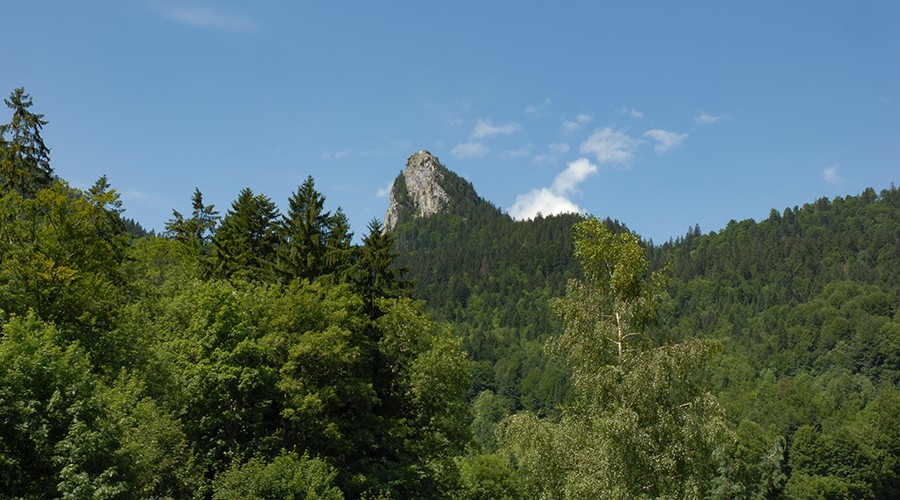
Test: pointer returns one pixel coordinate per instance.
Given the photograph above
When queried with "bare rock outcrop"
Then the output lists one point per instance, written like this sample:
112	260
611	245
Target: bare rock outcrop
418	191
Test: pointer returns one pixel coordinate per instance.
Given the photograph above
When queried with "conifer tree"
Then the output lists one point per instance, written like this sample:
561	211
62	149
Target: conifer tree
376	275
197	231
244	245
24	159
338	245
303	233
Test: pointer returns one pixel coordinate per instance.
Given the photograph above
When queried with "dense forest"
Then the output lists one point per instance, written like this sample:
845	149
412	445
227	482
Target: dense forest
260	353
803	306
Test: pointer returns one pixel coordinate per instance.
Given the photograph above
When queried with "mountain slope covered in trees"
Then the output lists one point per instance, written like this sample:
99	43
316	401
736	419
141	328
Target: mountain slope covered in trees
804	303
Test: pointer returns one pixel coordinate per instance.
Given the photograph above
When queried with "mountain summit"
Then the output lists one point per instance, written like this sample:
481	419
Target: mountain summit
424	188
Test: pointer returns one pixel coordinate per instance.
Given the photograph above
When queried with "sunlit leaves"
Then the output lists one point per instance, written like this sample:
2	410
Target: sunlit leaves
641	424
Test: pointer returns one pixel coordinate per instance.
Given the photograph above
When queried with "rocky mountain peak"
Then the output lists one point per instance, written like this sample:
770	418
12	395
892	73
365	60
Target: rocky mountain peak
419	191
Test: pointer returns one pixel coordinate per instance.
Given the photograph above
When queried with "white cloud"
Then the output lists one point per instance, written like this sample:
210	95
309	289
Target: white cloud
333	155
203	17
610	146
830	175
543	201
573	175
581	120
518	153
556	198
554	149
665	140
484	129
705	118
469	150
138	196
631	112
544	158
536	108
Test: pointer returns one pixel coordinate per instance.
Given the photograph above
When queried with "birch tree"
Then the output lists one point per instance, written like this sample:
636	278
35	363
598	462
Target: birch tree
642	424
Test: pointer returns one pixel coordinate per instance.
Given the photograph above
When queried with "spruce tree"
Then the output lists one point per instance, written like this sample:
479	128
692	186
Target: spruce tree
197	231
24	159
302	234
244	245
338	245
376	275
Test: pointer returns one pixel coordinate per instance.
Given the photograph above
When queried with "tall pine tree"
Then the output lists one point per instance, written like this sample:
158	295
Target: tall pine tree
24	159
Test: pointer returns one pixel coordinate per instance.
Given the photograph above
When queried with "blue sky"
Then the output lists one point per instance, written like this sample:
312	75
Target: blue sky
660	114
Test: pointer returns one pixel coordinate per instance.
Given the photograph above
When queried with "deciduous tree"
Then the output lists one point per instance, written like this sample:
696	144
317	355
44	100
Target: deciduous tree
642	423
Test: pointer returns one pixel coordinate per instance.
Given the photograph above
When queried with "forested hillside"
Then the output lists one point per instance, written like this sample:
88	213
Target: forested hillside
804	305
260	353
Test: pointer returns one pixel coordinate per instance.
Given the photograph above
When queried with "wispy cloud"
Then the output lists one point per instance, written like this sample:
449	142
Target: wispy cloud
581	120
537	108
610	146
470	150
830	175
544	158
704	118
518	153
205	17
484	129
133	195
375	152
574	174
665	140
555	199
333	155
631	112
553	150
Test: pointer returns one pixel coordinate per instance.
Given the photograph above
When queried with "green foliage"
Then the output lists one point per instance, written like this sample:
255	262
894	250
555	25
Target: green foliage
376	274
244	244
487	476
426	417
63	431
805	304
605	312
641	423
270	357
211	366
46	389
494	279
60	253
488	409
286	477
24	159
304	234
197	231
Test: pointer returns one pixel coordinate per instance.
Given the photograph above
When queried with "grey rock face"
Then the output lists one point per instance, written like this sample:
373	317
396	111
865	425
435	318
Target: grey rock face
425	196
